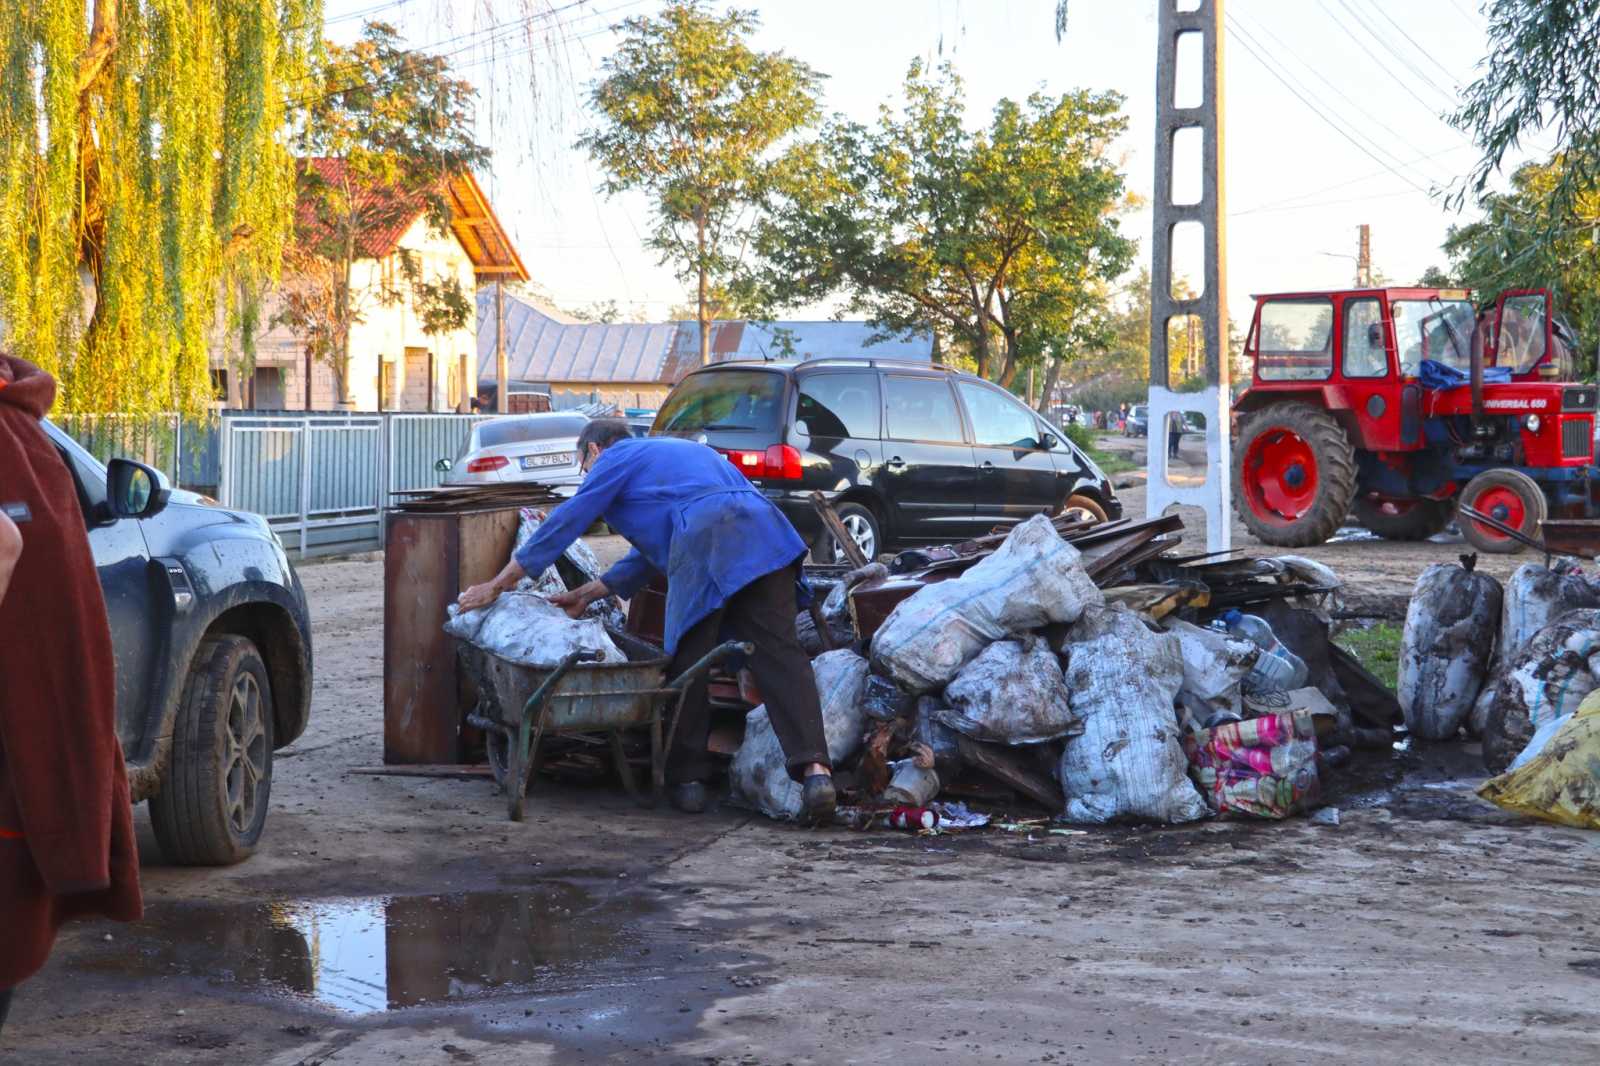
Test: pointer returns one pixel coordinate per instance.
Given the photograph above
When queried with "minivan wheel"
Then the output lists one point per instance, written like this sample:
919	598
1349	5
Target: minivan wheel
862	525
213	799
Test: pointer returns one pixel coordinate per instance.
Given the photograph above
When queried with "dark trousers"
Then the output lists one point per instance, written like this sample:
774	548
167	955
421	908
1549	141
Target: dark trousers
762	613
5	1005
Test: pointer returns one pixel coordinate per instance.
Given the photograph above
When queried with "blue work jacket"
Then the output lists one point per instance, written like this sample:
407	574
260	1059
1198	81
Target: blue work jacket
687	512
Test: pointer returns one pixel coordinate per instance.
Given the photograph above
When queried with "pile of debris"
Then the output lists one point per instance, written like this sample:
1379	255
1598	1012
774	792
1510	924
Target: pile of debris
1512	666
1087	668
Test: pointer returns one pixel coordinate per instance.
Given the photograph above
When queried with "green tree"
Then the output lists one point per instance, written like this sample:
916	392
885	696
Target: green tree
998	239
1538	76
693	116
1501	250
395	127
125	233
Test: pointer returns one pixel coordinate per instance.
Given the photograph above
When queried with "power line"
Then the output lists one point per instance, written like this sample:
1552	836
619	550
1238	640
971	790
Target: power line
1321	204
1319	112
1290	201
1392	49
1331	85
1365	49
1426	53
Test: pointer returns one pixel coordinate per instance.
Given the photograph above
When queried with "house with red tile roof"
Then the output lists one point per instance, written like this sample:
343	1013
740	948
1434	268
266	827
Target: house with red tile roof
394	364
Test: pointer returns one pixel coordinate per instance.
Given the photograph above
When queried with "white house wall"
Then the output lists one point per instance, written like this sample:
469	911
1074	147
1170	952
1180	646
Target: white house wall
385	333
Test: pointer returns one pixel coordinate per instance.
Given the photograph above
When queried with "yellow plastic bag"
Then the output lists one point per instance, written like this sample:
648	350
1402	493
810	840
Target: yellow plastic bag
1562	783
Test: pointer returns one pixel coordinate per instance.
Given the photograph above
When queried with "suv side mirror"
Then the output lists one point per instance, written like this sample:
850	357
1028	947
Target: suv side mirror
443	466
1049	442
134	490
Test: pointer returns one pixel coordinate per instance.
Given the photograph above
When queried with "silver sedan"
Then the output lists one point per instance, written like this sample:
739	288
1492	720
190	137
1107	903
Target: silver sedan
535	447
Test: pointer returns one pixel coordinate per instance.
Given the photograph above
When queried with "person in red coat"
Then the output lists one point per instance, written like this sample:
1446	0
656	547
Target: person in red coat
67	848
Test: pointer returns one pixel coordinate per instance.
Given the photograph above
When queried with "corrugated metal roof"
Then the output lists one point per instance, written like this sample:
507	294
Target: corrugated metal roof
541	347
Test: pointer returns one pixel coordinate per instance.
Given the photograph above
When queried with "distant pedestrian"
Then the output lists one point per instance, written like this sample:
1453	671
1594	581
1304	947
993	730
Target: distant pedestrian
1174	434
67	848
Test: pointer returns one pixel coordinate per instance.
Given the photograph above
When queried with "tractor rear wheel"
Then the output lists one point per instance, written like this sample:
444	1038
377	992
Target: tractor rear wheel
1510	496
1294	475
1416	519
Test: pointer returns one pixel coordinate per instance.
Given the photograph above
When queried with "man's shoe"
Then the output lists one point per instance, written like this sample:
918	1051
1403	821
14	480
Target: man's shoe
820	799
689	797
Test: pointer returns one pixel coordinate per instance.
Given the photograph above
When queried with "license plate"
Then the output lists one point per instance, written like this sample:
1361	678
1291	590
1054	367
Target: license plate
539	462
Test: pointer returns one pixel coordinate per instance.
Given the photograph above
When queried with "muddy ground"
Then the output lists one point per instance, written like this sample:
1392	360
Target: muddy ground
398	920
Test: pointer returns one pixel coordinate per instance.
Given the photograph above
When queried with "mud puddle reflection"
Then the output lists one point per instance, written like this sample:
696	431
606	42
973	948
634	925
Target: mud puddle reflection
372	954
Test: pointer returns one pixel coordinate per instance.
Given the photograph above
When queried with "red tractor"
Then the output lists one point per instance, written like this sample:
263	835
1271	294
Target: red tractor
1405	404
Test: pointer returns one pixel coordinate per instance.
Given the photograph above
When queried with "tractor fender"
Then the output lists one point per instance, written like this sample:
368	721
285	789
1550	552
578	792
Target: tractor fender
1334	399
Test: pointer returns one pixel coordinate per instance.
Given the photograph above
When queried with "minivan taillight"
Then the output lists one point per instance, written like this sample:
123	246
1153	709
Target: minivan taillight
488	463
781	462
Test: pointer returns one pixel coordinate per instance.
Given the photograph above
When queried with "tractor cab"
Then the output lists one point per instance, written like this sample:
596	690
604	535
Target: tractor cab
1399	404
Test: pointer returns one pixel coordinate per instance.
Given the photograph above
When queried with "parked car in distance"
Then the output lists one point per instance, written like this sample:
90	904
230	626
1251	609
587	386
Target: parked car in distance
1139	420
540	447
213	648
907	452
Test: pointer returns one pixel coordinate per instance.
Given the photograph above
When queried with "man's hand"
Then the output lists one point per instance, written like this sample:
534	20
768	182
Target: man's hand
478	596
581	597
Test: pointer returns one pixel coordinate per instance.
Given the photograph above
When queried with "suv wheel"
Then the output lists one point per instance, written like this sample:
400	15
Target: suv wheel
862	525
213	799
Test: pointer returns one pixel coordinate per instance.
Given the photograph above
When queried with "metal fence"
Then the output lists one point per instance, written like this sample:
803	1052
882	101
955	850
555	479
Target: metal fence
186	450
322	480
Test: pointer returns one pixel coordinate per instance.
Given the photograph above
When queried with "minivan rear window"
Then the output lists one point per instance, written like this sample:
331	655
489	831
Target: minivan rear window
724	399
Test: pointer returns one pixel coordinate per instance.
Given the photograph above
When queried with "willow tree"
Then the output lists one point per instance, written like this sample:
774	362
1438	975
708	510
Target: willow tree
146	192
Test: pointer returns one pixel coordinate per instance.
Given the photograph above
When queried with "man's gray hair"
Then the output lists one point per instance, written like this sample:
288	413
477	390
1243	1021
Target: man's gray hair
604	432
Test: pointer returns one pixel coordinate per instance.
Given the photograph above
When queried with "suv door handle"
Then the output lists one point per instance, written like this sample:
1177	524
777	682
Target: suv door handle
894	463
987	467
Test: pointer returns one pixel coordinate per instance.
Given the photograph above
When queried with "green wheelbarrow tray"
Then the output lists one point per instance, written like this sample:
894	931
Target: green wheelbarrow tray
519	705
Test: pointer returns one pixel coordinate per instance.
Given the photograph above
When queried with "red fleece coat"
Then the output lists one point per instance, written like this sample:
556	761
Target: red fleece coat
67	848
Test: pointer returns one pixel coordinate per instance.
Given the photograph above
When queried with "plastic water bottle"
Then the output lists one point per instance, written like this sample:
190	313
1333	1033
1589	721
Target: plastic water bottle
1277	669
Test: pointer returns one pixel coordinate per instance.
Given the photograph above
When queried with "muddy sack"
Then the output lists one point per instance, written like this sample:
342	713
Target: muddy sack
1560	783
523	628
759	775
1012	693
1033	578
1446	647
576	566
1214	664
1535	596
1546	679
1127	764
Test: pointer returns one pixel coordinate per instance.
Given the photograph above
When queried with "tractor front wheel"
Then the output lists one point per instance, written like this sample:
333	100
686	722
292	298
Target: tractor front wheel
1294	475
1416	519
1510	496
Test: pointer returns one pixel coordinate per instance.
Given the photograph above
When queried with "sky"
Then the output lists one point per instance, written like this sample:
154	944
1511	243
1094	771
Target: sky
1331	118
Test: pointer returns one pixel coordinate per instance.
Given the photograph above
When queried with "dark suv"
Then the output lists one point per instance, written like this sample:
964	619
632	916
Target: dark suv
906	452
213	647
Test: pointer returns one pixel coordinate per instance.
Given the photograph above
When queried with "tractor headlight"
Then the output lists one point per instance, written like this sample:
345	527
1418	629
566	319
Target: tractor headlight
1533	423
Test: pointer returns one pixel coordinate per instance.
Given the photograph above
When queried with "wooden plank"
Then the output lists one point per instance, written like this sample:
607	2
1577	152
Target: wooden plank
420	723
449	771
1009	767
830	518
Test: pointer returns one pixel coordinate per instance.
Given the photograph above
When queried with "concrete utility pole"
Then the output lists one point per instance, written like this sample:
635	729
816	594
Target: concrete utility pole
502	398
1364	258
1214	492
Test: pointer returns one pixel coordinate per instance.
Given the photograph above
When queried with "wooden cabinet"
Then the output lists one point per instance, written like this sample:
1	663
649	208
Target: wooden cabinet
428	560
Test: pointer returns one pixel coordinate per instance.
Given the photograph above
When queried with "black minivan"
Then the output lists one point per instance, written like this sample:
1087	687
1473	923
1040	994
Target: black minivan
907	452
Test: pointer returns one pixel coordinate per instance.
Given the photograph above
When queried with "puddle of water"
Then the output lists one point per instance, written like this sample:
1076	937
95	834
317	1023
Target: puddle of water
372	954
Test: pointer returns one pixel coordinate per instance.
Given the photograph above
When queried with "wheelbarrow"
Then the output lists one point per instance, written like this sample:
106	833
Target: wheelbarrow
518	706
